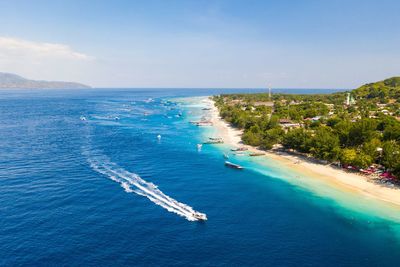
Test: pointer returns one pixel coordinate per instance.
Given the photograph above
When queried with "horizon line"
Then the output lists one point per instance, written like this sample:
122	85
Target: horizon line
234	88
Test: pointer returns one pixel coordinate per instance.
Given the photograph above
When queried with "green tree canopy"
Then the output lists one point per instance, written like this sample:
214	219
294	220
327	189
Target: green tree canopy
325	144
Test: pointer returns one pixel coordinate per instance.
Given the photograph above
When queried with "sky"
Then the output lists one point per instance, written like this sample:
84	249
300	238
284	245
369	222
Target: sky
203	43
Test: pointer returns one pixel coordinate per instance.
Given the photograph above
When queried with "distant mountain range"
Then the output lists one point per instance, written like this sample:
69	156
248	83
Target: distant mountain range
13	81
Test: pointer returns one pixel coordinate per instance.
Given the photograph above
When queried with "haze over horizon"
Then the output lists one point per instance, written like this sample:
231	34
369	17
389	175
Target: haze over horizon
230	44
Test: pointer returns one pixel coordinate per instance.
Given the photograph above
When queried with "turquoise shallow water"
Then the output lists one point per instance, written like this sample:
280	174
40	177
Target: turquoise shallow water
103	190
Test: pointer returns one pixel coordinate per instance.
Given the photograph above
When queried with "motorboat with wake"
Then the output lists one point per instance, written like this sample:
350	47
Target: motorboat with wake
199	216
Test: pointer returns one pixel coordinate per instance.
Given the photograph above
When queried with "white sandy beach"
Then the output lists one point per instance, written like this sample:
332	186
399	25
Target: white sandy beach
333	176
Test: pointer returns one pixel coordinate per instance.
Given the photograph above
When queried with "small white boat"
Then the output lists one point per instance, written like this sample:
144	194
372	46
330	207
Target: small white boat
159	137
233	165
199	146
83	118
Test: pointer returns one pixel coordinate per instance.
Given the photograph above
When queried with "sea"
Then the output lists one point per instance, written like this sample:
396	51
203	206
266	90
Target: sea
114	177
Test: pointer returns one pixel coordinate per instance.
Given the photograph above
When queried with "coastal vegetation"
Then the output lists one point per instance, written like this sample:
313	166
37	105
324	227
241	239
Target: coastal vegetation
358	129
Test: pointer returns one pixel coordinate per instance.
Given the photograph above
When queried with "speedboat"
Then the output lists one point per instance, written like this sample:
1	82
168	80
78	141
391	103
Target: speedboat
233	165
199	216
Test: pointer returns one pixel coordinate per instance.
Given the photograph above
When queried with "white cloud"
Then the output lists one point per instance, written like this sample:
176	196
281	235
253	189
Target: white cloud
44	61
17	47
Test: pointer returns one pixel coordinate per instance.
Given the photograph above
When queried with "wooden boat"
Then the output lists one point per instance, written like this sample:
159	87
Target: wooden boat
256	154
233	165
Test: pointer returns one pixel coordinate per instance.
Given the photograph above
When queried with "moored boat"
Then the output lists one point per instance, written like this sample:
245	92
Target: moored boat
233	165
239	149
213	142
215	138
202	123
256	154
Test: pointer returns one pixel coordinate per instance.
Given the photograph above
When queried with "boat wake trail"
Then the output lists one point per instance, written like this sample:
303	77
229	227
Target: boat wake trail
133	183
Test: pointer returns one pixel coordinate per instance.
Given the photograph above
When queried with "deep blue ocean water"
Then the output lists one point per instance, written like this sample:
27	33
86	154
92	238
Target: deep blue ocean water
77	170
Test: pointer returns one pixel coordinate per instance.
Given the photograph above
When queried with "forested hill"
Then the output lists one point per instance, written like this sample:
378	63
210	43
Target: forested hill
13	81
383	90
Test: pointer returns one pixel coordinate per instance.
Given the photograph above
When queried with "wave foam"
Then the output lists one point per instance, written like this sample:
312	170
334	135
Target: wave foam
133	183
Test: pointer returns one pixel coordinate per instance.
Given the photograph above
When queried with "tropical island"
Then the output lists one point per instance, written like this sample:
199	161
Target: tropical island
358	130
13	81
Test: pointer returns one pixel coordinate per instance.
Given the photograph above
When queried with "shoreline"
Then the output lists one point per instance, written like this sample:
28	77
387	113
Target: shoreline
338	178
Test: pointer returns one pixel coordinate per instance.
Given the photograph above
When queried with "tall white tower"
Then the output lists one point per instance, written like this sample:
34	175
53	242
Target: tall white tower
269	93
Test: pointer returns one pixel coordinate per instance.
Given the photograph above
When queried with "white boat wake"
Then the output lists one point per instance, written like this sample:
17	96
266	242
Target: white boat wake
133	183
